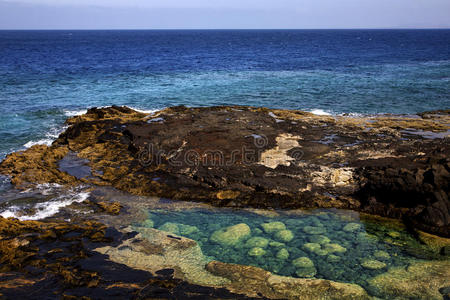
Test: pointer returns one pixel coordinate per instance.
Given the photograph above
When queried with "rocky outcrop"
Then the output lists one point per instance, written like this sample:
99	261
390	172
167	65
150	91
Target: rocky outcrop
56	260
394	166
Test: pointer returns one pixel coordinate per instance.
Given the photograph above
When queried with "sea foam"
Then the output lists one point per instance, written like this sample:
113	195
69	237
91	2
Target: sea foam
46	209
320	112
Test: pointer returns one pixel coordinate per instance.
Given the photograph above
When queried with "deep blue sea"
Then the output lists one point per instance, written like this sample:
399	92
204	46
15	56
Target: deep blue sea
46	76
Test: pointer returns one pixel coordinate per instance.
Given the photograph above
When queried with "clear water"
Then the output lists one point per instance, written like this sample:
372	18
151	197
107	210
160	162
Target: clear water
384	243
46	76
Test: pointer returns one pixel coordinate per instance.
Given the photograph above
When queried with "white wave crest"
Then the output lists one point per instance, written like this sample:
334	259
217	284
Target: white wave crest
320	112
46	209
145	111
47	142
49	138
73	113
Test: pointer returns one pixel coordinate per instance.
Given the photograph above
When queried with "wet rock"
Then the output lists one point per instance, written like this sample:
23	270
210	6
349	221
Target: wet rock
273	227
152	250
314	230
333	258
319	239
55	260
365	237
170	227
334	248
394	234
312	247
187	229
260	283
351	227
256	242
232	235
303	262
276	244
283	254
305	267
382	255
284	235
148	223
373	264
111	208
256	251
420	280
435	243
306	272
324	249
389	172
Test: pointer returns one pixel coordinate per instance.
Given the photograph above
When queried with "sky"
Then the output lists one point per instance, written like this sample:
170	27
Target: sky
223	14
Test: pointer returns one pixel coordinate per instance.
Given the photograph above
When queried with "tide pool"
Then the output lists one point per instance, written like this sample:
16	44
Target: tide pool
330	244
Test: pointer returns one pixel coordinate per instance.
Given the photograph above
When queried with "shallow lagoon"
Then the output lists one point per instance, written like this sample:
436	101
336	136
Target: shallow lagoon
329	244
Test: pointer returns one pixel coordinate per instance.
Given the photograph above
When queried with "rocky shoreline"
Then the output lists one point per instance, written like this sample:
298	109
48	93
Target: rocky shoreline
388	165
241	157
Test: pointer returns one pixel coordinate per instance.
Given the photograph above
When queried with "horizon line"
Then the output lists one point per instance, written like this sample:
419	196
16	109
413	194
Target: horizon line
179	29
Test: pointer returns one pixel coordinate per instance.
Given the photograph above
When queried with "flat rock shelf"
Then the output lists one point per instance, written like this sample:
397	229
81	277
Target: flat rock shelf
231	202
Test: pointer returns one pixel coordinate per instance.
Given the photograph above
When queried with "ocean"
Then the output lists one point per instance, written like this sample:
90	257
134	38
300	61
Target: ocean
46	76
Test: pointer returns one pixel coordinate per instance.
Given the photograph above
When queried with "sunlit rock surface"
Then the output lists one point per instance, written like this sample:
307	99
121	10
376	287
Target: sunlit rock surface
260	160
258	157
422	280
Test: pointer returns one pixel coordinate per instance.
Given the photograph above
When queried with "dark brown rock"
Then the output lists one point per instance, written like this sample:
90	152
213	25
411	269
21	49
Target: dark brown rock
388	165
63	265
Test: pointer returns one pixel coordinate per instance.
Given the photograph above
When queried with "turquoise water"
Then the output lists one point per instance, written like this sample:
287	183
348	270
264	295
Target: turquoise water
331	244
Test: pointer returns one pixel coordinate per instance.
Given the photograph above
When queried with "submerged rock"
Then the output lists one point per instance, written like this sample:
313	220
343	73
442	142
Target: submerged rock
352	227
170	227
333	258
276	244
319	239
314	230
394	234
373	264
306	272
273	227
420	280
232	235
383	255
305	267
312	247
324	249
334	248
187	229
283	254
256	282
256	251
256	242
148	223
303	262
284	235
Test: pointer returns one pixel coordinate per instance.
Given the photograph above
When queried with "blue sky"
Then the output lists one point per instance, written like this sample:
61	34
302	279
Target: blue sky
226	14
